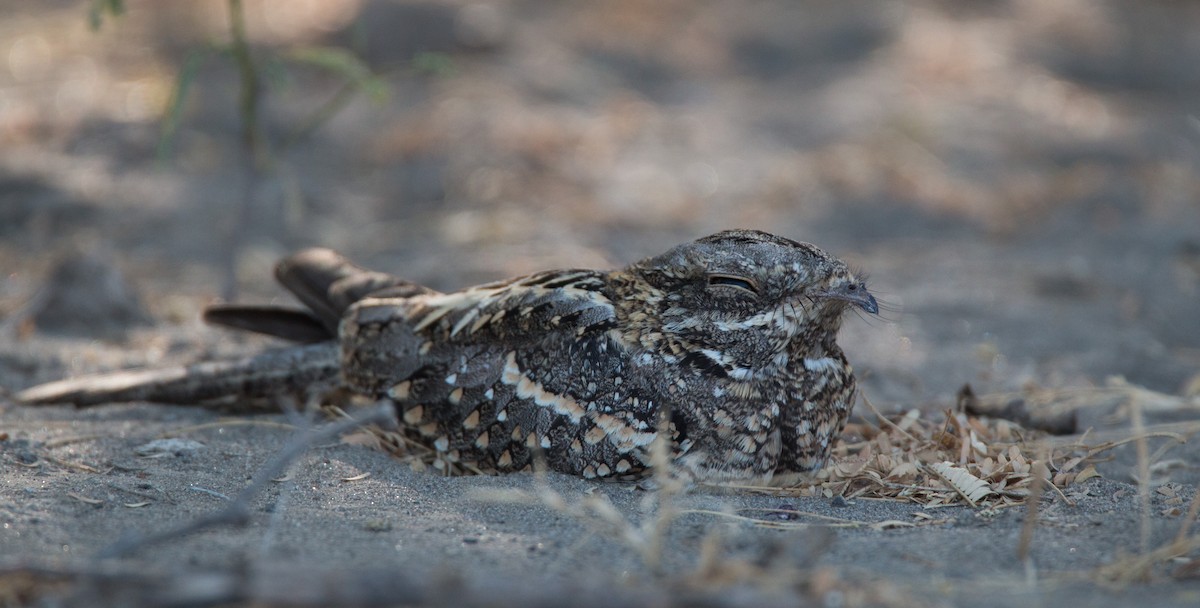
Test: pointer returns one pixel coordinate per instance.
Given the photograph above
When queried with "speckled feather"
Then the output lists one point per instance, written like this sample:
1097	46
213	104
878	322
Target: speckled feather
732	338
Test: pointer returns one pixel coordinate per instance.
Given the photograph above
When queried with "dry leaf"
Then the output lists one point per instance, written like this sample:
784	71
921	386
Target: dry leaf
971	487
1086	474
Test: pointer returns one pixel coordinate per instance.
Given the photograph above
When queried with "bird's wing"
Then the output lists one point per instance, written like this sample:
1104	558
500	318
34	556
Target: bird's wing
503	371
386	339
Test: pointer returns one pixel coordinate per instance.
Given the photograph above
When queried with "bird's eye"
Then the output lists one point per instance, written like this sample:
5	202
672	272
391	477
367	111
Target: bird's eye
853	287
738	282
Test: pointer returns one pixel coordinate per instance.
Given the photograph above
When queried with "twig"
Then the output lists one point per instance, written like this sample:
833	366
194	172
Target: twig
280	508
831	520
78	466
886	421
251	85
210	492
1137	567
253	140
289	584
57	443
322	115
223	424
148	496
237	513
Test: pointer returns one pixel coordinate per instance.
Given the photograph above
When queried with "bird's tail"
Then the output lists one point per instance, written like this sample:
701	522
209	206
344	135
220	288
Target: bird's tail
327	284
274	372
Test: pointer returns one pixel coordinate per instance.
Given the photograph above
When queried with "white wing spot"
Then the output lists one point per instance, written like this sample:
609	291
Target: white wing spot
741	373
821	364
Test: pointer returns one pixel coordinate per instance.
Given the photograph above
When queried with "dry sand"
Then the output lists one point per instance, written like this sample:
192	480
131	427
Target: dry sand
1018	178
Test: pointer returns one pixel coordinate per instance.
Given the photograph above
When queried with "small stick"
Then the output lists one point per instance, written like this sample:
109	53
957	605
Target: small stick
237	513
885	420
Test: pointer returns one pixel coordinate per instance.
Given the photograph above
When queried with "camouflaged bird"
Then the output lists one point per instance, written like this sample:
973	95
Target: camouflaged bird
731	338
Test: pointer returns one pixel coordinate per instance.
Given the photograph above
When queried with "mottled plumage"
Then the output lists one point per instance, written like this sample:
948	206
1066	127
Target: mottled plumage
732	337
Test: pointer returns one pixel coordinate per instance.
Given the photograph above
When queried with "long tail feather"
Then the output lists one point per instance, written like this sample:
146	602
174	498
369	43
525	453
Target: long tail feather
266	374
290	324
325	282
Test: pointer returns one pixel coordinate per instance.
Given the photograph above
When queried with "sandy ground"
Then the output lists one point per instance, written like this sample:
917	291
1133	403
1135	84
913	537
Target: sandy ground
1018	178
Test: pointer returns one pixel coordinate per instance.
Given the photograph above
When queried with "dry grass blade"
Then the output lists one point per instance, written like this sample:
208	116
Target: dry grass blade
596	511
78	466
1143	467
55	443
1193	512
1041	478
1139	568
883	419
84	499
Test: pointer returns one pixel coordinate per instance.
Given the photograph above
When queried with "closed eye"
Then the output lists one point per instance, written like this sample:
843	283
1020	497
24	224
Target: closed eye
732	281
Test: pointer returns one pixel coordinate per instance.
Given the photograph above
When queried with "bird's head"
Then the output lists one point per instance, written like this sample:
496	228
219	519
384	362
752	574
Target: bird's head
740	298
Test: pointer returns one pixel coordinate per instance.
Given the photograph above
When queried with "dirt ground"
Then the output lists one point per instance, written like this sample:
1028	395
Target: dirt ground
1019	179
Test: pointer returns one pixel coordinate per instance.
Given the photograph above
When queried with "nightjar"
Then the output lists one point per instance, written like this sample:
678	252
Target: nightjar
730	340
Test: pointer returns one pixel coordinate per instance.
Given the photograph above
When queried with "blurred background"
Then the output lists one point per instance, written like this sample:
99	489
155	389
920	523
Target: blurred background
1018	177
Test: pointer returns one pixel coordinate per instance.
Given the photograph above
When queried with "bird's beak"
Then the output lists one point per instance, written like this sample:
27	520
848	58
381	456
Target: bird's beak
867	303
856	294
